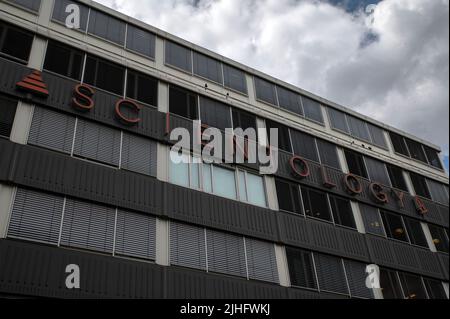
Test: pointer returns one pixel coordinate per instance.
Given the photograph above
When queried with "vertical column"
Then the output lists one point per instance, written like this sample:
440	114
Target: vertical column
22	123
342	160
272	198
6	197
426	231
46	12
37	54
282	265
358	217
250	89
409	183
163	162
389	143
163	97
326	118
162	242
159	53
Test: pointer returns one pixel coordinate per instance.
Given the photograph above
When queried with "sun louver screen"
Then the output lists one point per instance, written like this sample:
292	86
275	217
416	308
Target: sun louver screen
139	155
330	274
356	275
187	246
261	260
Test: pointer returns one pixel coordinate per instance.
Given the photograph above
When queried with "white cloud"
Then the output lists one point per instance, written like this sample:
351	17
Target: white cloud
401	79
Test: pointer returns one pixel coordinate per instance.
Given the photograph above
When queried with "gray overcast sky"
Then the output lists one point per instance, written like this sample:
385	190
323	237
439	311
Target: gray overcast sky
394	67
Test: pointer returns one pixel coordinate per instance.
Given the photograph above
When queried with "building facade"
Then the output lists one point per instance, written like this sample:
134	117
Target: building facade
86	177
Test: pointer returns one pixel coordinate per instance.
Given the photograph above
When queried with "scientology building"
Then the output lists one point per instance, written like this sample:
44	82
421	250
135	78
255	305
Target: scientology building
91	206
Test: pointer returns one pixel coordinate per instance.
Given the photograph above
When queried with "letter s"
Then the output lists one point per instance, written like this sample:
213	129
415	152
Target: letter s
82	98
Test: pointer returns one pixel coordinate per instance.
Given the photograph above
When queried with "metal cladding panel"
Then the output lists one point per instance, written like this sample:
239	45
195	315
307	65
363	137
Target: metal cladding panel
302	294
294	230
8	153
381	251
429	263
443	258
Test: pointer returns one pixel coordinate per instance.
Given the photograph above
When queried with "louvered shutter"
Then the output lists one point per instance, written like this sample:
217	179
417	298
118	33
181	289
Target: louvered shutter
356	275
261	260
135	235
330	273
187	246
97	142
301	268
139	154
377	171
36	216
226	254
88	226
52	130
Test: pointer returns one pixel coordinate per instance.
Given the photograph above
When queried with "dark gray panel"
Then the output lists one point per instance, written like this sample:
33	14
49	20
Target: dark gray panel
187	246
32	5
330	273
139	154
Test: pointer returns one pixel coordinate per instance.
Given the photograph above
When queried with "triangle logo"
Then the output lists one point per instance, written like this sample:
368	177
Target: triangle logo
33	83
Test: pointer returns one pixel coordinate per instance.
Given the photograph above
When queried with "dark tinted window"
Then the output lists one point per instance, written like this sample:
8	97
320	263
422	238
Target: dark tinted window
183	103
7	113
328	154
32	5
304	145
243	120
377	171
106	27
399	144
312	109
435	289
64	60
234	79
15	43
207	67
420	185
265	91
396	177
290	100
358	128
60	14
412	286
433	157
355	163
415	232
301	268
284	141
438	192
390	286
141	41
377	135
215	114
372	220
342	212
178	56
104	75
440	238
394	227
316	204
416	150
338	120
288	196
142	88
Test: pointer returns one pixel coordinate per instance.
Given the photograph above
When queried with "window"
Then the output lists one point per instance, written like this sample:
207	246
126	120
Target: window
358	128
377	135
265	91
312	109
32	5
215	114
435	289
356	164
224	183
261	260
342	212
304	145
208	68
357	275
179	172
60	14
394	226
8	113
438	192
420	185
440	238
141	41
330	273
256	192
399	144
234	79
142	88
97	142
138	154
104	75
377	171
290	101
301	268
244	120
187	246
412	286
328	154
390	286
316	204
284	139
396	177
106	27
15	43
36	216
64	60
183	103
288	197
416	150
52	130
433	157
338	120
372	220
178	56
415	232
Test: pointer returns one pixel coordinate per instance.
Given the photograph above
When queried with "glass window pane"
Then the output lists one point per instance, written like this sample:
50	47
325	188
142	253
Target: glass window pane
372	220
358	128
433	157
106	27
420	185
440	238
141	41
183	103
234	79
338	120
32	5
284	140
289	100
342	212
208	68
312	109
390	286
438	192
265	91
393	224
435	289
288	196
8	112
415	232
244	120
16	43
224	182
64	60
179	172
178	56
142	88
399	144
316	204
377	135
215	114
242	187
60	14
356	164
377	171
104	75
207	178
328	154
304	145
256	190
396	177
416	150
195	174
412	286
301	268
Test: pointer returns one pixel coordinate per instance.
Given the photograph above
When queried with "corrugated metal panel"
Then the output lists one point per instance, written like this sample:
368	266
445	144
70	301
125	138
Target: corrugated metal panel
139	154
187	246
324	236
429	263
356	276
353	244
444	259
52	130
8	151
330	273
88	226
97	142
36	216
261	260
135	235
226	253
381	251
405	256
294	230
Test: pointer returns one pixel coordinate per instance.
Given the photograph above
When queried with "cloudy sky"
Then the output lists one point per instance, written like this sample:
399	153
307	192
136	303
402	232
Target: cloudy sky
393	66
